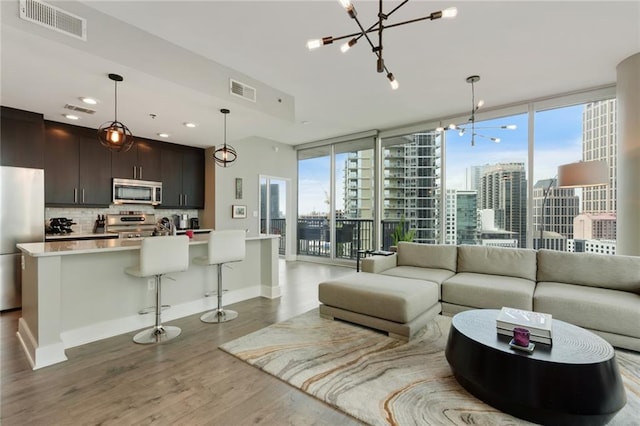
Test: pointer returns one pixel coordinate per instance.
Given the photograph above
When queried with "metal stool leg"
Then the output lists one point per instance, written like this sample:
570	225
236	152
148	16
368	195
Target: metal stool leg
219	315
158	333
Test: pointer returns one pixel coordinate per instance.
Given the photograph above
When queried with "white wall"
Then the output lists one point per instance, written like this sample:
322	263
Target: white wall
256	156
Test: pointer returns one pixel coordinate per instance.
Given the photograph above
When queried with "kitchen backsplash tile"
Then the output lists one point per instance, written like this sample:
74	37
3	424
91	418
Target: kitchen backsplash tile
85	218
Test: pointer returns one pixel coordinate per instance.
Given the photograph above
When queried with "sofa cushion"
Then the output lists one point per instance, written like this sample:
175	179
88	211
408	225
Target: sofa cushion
594	270
437	256
590	307
391	298
428	274
488	291
510	262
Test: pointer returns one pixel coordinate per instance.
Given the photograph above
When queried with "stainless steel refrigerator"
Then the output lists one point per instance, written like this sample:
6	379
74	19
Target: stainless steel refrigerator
21	221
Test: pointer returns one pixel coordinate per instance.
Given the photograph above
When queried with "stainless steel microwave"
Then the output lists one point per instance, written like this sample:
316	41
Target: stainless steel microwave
131	191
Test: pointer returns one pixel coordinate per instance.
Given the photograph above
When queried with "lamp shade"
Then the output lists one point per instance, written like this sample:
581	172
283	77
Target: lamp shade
583	173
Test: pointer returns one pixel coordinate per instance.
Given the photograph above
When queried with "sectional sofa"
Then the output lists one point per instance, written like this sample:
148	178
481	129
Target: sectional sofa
598	292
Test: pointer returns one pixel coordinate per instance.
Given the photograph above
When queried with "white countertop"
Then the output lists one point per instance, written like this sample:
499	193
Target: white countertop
70	247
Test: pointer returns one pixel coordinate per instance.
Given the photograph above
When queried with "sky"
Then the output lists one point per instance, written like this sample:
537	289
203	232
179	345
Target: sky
558	140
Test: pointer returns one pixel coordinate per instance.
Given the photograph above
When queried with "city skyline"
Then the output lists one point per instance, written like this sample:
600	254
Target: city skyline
558	140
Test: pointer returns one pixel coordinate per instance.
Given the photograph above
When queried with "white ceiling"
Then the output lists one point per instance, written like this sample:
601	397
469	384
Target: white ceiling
177	56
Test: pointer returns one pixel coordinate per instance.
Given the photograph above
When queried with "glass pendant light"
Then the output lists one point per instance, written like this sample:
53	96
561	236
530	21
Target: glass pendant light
226	154
113	134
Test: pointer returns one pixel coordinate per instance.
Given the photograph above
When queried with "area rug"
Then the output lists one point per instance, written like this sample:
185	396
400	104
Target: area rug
383	381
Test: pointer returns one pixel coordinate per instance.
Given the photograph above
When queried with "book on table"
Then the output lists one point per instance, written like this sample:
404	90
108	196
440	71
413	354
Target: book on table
538	323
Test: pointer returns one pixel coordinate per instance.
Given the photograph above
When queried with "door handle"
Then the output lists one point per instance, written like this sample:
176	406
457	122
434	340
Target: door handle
140	174
135	170
82	195
75	195
185	199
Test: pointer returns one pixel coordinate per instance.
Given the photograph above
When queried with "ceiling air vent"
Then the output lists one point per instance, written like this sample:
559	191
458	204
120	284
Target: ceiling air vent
79	109
242	90
54	18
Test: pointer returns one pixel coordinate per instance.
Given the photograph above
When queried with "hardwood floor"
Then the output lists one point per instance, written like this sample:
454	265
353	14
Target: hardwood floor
186	381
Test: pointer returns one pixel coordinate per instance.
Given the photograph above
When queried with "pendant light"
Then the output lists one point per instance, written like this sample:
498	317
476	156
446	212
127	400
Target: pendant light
225	155
461	129
113	134
377	27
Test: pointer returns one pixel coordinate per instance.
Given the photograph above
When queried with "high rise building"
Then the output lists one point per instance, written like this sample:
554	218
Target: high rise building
359	185
503	188
599	143
412	184
560	208
461	217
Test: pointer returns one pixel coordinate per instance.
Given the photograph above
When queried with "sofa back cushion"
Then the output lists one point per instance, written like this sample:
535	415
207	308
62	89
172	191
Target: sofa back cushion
594	270
511	262
436	256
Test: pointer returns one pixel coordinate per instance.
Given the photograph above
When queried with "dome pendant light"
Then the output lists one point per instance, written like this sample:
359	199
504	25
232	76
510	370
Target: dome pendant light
114	134
225	155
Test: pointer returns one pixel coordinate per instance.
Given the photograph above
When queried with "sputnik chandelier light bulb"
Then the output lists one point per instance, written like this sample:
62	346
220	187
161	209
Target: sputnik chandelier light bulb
226	154
378	27
472	119
114	134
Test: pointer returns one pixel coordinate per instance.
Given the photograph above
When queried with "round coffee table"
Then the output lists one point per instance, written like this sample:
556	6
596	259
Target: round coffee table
575	381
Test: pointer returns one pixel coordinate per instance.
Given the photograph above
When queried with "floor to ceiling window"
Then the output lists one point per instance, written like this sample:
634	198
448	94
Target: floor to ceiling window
273	208
411	188
486	182
472	184
314	201
336	199
575	219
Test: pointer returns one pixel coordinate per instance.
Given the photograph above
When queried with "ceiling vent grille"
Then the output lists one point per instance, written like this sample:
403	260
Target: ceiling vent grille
54	18
79	109
242	90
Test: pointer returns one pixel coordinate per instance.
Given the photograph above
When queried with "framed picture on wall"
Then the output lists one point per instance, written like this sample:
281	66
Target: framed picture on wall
238	211
238	188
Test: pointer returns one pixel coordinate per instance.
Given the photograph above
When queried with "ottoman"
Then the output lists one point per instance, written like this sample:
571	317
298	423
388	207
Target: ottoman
398	306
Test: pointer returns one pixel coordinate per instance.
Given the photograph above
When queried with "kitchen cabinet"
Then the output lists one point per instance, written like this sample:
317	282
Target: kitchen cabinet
21	139
77	167
142	161
182	177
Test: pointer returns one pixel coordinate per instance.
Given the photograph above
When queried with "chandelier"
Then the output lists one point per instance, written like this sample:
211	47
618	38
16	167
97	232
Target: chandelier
378	27
472	119
113	134
226	154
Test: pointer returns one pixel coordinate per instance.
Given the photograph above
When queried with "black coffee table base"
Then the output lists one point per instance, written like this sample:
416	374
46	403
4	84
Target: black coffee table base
559	385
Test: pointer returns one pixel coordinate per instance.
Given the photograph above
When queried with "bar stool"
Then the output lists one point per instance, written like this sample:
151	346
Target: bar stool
224	247
158	256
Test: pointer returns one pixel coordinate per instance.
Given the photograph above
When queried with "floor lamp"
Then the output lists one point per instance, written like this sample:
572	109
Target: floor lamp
576	175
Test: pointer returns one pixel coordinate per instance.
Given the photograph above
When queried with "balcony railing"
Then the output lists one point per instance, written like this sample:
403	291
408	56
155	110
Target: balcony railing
351	235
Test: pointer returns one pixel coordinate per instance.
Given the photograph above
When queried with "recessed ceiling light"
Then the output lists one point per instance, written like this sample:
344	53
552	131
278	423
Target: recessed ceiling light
163	135
89	101
190	125
71	116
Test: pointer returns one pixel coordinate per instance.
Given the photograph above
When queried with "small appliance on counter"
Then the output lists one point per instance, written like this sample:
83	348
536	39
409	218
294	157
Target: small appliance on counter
60	225
194	223
183	221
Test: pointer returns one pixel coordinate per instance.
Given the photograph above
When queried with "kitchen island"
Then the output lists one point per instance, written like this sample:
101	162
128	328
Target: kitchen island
76	292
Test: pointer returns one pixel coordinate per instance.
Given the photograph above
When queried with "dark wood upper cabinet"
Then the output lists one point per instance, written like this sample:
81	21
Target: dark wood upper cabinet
21	138
77	167
182	177
193	177
142	161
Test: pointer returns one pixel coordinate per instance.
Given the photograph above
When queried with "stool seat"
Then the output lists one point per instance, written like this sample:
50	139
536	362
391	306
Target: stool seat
224	247
159	256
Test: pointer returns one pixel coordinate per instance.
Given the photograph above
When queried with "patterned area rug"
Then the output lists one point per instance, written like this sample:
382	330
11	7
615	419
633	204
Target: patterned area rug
383	381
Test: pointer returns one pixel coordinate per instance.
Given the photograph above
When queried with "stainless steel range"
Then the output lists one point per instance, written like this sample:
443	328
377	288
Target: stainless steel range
131	224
